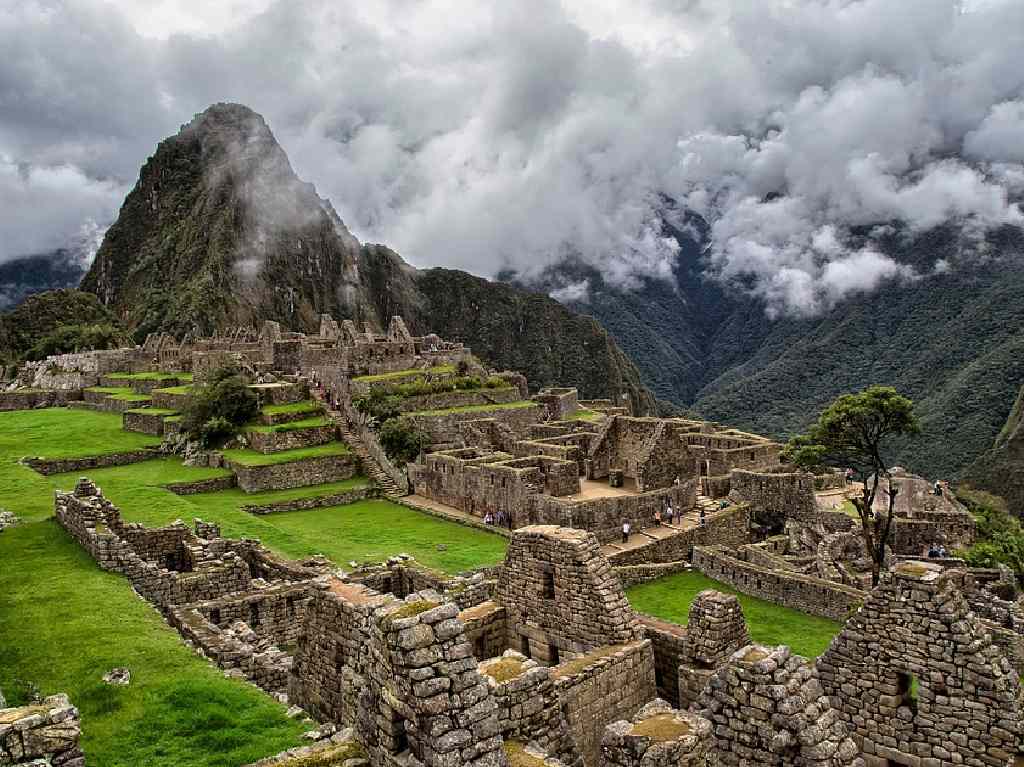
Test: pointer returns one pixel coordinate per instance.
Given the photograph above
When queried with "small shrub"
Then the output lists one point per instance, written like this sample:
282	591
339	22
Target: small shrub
218	407
402	440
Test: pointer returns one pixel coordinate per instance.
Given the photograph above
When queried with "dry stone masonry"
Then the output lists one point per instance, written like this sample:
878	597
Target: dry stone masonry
41	734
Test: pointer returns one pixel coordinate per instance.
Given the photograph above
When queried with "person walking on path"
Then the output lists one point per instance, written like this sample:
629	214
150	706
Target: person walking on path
625	532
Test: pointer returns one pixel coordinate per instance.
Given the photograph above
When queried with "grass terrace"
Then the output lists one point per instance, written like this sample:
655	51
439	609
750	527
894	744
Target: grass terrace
183	389
306	423
308	406
131	397
152	411
476	408
669	598
254	458
111	390
584	414
400	374
153	376
64	622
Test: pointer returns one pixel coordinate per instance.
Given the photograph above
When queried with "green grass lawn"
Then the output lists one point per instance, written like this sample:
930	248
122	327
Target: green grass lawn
152	411
64	623
186	389
255	458
305	423
477	408
306	406
669	598
110	390
587	415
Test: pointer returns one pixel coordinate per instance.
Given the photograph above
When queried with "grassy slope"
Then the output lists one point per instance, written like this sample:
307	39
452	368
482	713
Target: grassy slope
399	374
476	408
307	406
669	598
64	622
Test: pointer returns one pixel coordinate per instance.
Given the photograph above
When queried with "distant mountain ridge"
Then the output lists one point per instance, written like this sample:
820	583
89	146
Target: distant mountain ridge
22	277
220	232
954	342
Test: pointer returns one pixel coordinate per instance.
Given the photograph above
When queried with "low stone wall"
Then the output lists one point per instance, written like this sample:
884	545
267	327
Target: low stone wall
144	423
669	643
41	734
274	617
444	428
615	685
301	504
169	400
634	575
29	399
283	476
528	706
800	592
47	466
915	536
211	485
729	527
485	626
604	516
281	393
462	398
292	439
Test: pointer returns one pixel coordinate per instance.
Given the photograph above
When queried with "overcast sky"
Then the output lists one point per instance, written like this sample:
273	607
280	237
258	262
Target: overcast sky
484	134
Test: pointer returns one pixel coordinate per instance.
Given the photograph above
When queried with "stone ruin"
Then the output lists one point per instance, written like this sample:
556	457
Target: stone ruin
715	630
41	734
768	708
918	679
542	661
658	736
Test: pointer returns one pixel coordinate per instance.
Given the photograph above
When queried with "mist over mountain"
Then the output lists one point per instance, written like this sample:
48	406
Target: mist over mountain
220	232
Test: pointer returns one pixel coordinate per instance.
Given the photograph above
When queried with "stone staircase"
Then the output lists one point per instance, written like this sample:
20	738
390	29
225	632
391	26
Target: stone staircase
709	505
351	437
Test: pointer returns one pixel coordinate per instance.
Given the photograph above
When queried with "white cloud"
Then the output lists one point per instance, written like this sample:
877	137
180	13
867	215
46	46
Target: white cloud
489	135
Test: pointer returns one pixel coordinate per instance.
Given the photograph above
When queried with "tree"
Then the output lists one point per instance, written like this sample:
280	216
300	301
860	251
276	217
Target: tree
852	433
218	406
402	440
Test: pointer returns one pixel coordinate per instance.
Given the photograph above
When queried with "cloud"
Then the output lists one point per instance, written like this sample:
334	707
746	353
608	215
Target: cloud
490	135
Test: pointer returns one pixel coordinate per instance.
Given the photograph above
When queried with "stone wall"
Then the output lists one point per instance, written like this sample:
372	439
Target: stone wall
634	575
769	710
444	428
47	466
729	528
800	592
252	632
529	710
611	683
559	404
668	642
561	595
143	422
291	439
401	673
41	734
460	398
301	504
302	473
658	736
916	536
486	629
917	678
604	516
775	497
29	399
211	485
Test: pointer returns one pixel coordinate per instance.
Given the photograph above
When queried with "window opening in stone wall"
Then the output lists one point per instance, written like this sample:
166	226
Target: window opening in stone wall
254	614
907	689
215	616
553	655
290	603
525	646
401	737
549	585
479	648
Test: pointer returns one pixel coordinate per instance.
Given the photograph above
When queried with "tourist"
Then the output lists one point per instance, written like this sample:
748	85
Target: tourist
669	515
488	519
849	474
933	552
938	487
657	517
942	552
625	532
703	516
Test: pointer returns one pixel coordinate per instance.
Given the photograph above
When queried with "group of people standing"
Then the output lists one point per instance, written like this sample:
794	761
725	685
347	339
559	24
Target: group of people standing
666	517
501	519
